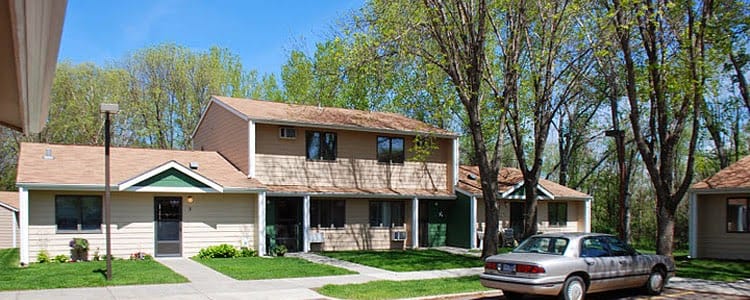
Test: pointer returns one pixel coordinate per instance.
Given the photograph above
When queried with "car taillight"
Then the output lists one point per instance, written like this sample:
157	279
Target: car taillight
529	269
490	265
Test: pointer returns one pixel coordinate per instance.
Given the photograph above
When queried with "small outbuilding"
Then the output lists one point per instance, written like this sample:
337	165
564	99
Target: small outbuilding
719	214
8	220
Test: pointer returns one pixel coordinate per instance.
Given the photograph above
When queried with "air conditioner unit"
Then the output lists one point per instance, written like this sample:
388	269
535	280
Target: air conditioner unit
398	236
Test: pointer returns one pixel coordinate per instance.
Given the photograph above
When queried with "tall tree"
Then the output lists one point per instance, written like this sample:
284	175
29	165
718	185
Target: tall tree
670	46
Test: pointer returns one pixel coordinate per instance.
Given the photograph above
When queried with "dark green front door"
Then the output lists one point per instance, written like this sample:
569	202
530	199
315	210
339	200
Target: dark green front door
433	222
516	218
284	219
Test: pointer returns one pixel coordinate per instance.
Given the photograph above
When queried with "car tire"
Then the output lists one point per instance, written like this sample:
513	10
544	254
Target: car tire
512	295
655	283
573	289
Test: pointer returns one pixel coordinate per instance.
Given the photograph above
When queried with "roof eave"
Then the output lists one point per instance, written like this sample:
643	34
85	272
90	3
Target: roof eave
708	191
353	128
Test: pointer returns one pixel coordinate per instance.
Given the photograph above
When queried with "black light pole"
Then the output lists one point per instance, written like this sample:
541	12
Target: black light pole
107	109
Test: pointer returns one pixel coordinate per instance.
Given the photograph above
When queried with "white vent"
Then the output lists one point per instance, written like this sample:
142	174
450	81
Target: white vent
193	165
398	236
48	154
288	133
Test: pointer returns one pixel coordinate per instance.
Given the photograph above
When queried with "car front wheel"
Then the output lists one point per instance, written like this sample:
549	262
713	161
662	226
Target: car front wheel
573	289
655	283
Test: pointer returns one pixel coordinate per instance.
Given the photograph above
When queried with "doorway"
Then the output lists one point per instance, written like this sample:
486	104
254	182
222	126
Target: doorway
433	222
168	219
284	216
516	218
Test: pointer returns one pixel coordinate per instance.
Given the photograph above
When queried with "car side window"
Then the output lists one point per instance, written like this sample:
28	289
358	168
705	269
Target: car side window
618	247
592	247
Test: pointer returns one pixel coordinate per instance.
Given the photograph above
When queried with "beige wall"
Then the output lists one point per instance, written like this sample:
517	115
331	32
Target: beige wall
226	133
576	215
357	233
6	228
212	219
712	239
283	162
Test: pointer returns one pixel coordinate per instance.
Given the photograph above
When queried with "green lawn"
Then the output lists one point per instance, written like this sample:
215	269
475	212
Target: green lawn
711	269
408	260
81	274
385	289
247	268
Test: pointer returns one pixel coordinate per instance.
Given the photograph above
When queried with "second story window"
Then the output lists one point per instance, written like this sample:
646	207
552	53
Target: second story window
390	150
321	145
287	133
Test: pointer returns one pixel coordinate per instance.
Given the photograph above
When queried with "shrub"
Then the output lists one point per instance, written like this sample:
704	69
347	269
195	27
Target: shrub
79	249
62	258
219	251
96	256
141	256
247	252
278	250
43	257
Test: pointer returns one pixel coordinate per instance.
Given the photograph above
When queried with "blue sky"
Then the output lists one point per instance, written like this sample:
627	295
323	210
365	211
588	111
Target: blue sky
261	32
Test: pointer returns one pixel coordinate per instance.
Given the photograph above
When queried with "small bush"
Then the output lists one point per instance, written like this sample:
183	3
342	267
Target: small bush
62	258
79	249
43	257
247	252
219	251
96	256
278	250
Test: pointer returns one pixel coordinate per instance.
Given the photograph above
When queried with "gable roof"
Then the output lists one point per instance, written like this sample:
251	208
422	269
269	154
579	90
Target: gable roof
269	112
9	200
735	176
83	166
510	180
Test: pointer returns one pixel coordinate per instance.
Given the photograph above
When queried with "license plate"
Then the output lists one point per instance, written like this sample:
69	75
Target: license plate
508	268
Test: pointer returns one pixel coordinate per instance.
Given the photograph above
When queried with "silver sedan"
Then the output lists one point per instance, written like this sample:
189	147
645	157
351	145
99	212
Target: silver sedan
573	264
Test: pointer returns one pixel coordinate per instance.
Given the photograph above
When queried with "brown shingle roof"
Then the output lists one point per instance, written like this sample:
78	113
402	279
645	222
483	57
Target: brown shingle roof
275	112
507	179
737	175
357	191
84	165
9	198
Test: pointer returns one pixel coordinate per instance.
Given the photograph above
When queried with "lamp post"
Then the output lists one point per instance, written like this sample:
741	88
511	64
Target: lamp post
107	109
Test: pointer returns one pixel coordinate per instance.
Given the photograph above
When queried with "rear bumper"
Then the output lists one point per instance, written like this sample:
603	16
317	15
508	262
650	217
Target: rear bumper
520	286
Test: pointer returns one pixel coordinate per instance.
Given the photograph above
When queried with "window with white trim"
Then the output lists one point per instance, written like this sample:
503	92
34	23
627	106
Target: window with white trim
557	214
390	150
288	133
387	213
78	213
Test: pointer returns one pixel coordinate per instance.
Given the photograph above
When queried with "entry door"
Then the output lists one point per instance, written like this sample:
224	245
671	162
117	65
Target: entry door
516	218
289	223
168	217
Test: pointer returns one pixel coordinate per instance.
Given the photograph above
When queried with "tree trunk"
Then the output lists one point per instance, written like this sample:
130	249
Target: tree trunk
665	228
530	211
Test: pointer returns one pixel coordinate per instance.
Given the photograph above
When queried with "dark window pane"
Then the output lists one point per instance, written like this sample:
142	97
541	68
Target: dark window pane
384	147
329	146
737	215
397	150
376	213
313	145
91	211
315	220
397	213
338	213
67	213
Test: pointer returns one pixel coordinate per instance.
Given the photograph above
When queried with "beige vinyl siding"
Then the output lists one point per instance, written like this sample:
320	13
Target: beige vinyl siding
226	133
357	234
6	228
133	223
283	162
713	240
215	219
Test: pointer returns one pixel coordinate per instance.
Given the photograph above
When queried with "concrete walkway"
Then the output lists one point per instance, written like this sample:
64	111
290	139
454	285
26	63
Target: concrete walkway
209	284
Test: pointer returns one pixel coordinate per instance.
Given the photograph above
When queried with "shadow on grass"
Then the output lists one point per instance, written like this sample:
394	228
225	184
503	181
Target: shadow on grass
103	272
713	269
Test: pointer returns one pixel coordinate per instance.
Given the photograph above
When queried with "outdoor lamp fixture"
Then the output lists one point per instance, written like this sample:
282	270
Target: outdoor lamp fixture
107	109
190	199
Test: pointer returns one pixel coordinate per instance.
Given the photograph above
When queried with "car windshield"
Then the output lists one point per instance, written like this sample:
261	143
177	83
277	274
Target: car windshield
545	245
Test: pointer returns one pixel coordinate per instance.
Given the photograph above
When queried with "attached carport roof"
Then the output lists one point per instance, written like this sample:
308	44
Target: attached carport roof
510	180
30	32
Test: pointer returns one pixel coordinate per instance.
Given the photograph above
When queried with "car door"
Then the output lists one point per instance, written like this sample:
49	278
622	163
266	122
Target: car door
626	273
598	261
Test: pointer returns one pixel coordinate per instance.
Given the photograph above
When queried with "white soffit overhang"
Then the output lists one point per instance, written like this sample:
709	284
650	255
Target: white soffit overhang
32	30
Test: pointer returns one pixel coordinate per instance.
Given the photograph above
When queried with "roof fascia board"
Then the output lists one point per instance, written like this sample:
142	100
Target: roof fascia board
719	191
352	128
466	192
162	189
350	195
127	184
511	190
3	204
244	190
63	187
